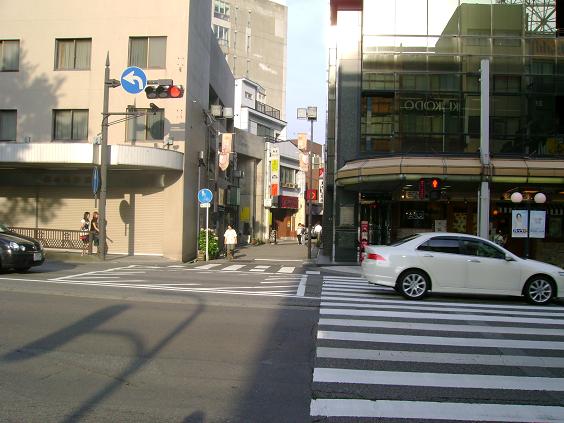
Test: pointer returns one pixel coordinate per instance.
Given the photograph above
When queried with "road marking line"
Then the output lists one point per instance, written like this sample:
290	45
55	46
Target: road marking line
442	358
439	340
259	268
436	316
275	259
438	380
440	327
302	286
286	269
313	272
343	278
207	266
288	281
422	410
233	267
375	304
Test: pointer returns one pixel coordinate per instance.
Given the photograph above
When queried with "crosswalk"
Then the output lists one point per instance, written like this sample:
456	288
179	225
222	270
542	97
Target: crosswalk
379	357
225	267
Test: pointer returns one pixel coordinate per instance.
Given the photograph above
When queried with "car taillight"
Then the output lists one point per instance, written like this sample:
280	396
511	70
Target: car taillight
374	256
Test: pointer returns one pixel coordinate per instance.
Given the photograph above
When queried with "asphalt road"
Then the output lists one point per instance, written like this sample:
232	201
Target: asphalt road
266	340
161	342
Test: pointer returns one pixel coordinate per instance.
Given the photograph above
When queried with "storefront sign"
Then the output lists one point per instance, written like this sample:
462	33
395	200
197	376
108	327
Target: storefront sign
274	171
430	105
537	224
285	202
519	223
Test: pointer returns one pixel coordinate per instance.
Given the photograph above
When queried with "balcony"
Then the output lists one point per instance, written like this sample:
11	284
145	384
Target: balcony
267	110
87	155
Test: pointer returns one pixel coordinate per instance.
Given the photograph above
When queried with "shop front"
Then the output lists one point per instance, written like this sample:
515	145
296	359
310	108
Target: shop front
284	208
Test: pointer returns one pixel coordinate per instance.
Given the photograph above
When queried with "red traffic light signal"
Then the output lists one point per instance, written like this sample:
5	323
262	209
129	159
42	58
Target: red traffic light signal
164	91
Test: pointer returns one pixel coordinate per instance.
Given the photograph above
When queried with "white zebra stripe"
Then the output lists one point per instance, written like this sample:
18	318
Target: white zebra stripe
440	358
438	380
438	340
420	410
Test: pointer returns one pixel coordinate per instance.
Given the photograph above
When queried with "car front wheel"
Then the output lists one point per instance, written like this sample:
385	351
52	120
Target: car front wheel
413	284
539	290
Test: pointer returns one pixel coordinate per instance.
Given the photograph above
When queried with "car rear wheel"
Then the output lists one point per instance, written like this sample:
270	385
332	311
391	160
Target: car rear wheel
539	290
413	284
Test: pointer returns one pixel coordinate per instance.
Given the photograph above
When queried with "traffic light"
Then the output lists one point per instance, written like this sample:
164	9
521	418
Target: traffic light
164	91
435	184
434	189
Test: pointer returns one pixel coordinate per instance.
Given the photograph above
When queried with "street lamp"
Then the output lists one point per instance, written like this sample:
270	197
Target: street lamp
538	198
309	113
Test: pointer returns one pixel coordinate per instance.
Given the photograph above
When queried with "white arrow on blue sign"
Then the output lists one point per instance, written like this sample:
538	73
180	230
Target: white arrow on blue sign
205	195
133	80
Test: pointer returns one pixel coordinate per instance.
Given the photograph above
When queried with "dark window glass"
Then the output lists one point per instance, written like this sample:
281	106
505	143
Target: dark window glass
441	245
475	247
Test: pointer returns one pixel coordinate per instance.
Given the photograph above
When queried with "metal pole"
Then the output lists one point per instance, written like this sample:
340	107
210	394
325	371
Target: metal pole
310	191
104	162
198	213
484	197
528	227
207	232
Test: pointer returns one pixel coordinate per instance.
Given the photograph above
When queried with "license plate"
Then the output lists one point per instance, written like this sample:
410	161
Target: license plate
37	256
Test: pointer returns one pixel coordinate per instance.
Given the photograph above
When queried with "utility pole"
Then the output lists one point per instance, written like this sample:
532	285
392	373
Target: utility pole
104	161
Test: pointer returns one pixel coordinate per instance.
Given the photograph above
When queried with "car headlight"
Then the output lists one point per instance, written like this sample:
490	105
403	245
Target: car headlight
13	245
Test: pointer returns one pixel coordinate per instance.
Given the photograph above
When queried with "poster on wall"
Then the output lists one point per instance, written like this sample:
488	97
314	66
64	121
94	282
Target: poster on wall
519	223
304	162
302	141
537	224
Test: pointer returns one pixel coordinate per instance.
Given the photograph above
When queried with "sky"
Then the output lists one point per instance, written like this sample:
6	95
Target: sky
306	82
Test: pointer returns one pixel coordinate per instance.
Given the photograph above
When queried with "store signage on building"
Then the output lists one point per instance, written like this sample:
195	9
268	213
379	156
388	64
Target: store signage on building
274	171
321	188
430	105
304	162
302	141
285	202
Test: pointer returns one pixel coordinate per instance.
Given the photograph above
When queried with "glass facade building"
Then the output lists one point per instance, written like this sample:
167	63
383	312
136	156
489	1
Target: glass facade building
404	106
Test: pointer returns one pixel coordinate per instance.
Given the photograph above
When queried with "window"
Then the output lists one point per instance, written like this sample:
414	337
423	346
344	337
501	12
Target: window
287	176
221	10
147	52
475	247
8	123
9	55
441	245
73	54
70	125
147	126
222	34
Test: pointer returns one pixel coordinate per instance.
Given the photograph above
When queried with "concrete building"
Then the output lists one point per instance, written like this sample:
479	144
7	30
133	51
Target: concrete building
406	81
51	83
253	36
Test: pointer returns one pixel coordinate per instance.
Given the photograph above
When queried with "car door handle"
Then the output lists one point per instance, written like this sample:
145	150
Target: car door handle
473	261
428	255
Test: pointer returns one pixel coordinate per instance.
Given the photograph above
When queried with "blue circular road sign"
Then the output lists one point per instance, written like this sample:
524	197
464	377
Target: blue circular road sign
133	80
205	195
95	180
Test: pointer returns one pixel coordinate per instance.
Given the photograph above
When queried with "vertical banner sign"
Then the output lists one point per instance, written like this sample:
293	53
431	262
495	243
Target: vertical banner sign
226	149
304	162
537	224
274	171
519	223
226	143
302	141
321	184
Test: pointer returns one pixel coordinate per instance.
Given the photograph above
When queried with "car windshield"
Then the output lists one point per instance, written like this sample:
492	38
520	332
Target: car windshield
404	240
3	228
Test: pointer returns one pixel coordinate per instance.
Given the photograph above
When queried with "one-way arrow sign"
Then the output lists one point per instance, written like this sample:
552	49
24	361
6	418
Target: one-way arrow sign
133	80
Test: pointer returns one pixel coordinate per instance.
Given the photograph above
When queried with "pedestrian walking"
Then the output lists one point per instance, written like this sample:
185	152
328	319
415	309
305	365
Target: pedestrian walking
300	233
85	232
95	230
230	241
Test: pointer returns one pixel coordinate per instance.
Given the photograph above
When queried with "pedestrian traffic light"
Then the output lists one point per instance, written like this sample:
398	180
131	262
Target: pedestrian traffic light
164	91
435	184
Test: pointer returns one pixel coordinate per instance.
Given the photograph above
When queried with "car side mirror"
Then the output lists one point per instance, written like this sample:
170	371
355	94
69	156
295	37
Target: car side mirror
509	258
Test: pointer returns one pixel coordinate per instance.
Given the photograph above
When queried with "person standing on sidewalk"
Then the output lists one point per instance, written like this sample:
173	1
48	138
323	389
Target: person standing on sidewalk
230	241
300	233
85	229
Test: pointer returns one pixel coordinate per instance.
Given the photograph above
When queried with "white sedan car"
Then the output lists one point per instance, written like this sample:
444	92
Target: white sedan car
459	263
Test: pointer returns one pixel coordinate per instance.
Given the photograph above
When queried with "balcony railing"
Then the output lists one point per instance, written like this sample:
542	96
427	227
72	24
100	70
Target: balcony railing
267	110
55	238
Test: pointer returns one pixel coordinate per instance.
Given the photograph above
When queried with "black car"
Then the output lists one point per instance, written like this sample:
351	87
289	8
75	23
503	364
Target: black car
19	252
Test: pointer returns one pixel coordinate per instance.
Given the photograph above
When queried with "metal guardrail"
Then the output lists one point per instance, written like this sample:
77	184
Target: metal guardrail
54	238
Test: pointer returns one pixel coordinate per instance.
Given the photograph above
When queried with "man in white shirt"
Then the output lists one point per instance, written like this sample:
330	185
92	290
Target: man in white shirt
317	233
230	241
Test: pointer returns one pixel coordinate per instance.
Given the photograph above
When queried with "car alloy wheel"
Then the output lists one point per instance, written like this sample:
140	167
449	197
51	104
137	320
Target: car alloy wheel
539	290
413	285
